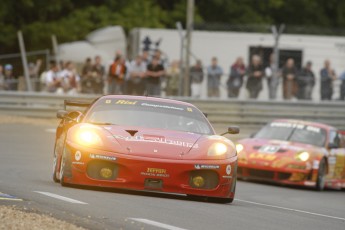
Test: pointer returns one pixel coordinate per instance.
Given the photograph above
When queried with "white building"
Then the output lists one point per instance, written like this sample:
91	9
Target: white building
227	46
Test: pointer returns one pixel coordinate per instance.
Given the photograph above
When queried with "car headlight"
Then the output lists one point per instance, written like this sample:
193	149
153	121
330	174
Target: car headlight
88	137
217	149
239	148
303	156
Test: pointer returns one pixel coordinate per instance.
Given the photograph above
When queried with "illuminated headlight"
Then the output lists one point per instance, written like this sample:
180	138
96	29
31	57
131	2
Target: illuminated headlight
303	156
88	137
239	148
217	149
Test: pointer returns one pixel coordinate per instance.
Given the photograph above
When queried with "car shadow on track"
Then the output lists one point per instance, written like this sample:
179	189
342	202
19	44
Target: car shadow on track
148	193
293	187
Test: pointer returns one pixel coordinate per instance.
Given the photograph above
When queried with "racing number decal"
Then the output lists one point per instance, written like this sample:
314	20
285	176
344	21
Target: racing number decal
269	149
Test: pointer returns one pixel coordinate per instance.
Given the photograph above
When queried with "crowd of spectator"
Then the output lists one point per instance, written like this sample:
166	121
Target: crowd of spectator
150	74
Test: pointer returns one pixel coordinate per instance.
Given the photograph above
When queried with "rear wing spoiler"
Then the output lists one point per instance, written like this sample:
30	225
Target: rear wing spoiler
76	103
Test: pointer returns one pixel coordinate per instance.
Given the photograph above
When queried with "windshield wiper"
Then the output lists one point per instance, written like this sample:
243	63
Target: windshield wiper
291	134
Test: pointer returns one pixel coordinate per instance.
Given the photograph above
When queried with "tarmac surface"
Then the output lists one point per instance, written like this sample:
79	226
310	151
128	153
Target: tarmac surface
26	158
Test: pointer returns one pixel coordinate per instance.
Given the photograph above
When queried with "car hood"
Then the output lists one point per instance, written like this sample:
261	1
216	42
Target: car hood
273	152
158	143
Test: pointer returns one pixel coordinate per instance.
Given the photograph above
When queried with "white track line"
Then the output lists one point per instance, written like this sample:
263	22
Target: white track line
156	224
291	209
61	197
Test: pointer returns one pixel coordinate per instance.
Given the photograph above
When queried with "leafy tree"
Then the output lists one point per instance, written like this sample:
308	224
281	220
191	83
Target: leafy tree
72	19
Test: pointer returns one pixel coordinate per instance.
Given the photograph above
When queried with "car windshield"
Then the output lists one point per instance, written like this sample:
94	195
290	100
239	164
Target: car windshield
149	114
294	132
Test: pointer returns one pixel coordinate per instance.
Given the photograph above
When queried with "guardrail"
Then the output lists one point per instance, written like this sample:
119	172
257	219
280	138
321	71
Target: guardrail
249	114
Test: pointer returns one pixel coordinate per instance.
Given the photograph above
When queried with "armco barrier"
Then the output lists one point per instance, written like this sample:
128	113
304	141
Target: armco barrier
248	114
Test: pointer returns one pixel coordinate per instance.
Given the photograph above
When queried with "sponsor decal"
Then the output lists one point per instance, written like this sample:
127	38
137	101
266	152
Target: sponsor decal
77	155
228	169
102	157
227	177
161	106
107	101
189	109
297	126
77	163
262	156
157	172
126	102
161	140
199	166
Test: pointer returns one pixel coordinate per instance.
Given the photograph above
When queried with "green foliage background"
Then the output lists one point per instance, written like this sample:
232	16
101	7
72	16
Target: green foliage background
73	19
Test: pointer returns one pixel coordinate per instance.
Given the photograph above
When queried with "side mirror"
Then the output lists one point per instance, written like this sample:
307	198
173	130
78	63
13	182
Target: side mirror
205	114
61	114
232	130
332	146
252	135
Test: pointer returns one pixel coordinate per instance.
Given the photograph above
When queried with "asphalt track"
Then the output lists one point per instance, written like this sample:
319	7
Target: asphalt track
25	172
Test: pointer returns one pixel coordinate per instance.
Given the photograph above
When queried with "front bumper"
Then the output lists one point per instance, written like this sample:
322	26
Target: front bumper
153	174
300	177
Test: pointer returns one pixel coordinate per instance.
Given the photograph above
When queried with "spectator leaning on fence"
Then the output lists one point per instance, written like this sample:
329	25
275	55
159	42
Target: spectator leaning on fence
289	73
235	81
272	75
70	78
173	78
155	72
196	78
2	79
53	79
136	83
306	82
214	74
116	77
327	77
10	81
342	86
98	72
87	80
34	69
255	75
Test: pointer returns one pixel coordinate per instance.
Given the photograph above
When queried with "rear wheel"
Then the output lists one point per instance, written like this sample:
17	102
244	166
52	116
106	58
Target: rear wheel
321	180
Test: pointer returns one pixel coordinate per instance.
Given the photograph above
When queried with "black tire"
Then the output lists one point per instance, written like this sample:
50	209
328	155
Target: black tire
221	200
320	182
63	171
55	179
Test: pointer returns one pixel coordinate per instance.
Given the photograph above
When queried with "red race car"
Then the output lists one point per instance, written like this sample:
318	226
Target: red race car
144	143
296	153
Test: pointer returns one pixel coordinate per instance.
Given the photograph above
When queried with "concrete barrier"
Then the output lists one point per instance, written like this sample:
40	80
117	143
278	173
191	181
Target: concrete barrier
248	114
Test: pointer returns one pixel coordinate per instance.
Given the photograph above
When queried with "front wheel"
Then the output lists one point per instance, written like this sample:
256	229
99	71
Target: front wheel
221	200
63	166
321	175
55	178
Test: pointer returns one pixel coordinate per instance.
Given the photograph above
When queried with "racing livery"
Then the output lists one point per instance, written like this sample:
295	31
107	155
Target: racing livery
144	143
294	152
